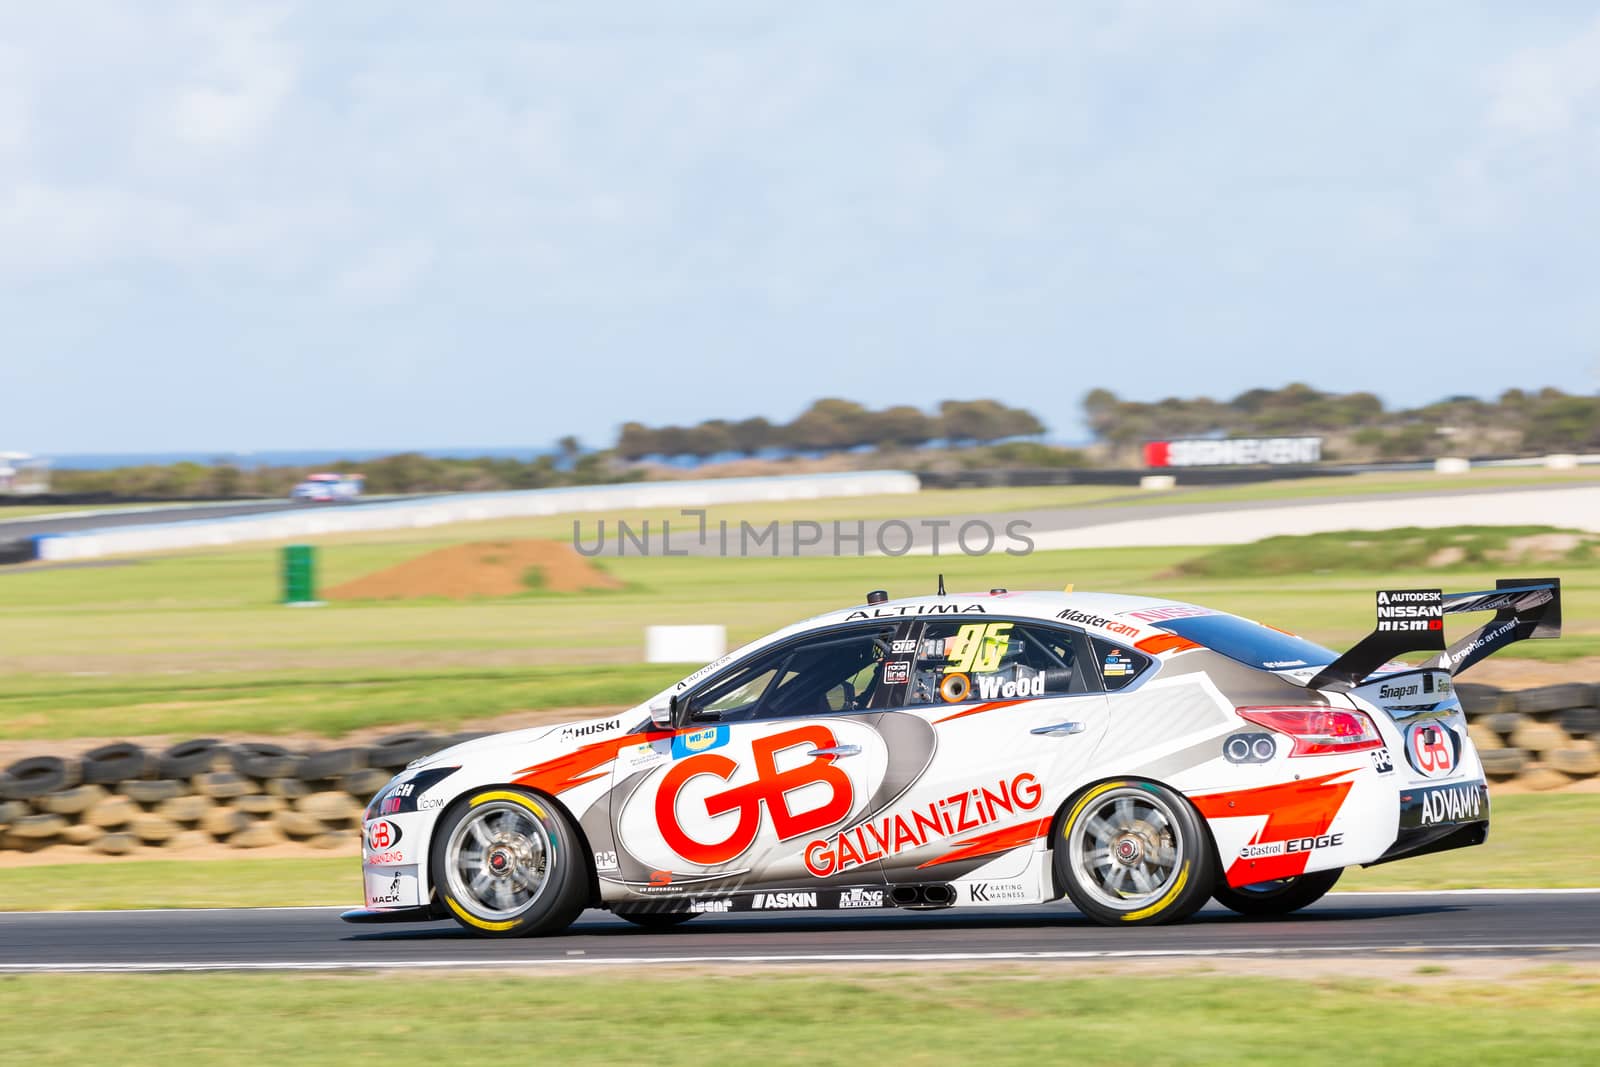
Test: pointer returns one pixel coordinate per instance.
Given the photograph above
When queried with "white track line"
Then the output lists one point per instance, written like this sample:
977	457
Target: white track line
821	957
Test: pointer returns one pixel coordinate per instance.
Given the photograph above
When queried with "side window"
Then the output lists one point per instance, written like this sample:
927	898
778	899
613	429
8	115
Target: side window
961	661
1119	664
822	676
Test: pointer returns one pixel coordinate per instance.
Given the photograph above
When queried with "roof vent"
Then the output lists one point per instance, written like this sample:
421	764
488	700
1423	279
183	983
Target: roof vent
877	596
996	592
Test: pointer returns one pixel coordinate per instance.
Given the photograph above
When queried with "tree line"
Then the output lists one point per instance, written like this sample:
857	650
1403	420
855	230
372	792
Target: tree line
968	434
1518	422
832	425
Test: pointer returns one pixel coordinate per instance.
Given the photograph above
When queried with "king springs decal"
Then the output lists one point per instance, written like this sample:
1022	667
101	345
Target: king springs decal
893	834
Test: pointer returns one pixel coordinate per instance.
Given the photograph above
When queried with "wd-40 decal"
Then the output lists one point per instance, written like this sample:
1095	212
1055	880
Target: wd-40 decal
703	740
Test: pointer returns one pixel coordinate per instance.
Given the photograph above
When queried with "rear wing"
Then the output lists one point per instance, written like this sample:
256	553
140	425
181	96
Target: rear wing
1412	620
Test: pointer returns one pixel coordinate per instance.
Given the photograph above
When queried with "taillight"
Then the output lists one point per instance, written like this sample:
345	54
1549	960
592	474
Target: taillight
1318	731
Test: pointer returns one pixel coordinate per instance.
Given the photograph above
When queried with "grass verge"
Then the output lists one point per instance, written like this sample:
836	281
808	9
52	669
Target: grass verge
1449	549
888	1017
1530	847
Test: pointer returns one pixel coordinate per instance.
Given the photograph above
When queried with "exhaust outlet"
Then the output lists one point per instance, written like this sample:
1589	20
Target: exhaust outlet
934	895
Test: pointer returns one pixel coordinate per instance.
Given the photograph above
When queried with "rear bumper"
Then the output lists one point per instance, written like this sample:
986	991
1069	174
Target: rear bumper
1422	842
1439	818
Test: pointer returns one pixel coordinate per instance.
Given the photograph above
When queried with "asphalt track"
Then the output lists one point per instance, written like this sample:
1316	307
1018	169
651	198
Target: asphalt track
1561	924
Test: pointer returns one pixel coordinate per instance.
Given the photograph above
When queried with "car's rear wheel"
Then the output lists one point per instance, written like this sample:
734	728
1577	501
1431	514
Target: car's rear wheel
508	863
1278	897
1134	853
654	920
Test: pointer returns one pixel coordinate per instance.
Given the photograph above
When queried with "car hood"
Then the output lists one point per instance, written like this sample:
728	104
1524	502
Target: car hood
538	743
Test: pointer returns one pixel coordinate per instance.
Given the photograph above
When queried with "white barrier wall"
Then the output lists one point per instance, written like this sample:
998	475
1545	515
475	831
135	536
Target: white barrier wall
313	520
684	644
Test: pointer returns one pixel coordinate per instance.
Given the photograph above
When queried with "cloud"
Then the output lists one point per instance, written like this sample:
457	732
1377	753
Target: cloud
386	272
1549	90
901	201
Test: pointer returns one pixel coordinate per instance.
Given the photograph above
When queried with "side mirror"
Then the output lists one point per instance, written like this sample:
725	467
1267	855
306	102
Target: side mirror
663	714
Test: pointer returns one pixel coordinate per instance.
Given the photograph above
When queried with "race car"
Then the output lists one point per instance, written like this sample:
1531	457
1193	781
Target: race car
1137	756
328	488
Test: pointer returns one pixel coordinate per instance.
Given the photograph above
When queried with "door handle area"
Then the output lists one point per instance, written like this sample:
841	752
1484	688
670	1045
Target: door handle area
836	750
1060	729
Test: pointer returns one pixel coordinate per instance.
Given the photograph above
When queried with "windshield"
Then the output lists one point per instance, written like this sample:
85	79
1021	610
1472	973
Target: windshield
1250	642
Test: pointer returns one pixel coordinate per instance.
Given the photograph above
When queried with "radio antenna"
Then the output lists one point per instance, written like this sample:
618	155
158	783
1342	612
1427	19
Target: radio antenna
941	585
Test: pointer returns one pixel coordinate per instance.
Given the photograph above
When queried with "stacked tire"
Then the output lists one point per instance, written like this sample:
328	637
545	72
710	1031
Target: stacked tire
1536	739
121	798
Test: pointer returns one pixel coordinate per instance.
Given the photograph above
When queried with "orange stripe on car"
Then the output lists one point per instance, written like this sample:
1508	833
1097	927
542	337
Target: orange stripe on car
1293	809
979	708
582	764
1002	840
1165	643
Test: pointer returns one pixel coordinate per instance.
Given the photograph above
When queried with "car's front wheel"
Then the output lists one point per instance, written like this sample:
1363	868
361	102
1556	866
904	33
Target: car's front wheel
1134	853
1278	897
508	863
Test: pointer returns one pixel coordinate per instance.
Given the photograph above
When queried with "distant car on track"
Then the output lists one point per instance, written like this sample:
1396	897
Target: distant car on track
328	488
1136	756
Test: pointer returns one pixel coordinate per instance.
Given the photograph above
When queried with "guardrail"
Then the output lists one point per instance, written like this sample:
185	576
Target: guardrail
312	521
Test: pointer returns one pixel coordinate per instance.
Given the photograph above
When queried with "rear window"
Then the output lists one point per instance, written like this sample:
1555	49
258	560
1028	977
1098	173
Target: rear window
1250	642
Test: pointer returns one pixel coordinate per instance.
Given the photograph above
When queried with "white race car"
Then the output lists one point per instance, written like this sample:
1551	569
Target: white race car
328	488
1138	756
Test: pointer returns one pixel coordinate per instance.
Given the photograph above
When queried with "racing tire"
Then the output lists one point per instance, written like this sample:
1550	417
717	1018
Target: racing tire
395	751
509	863
38	775
188	759
331	763
1278	897
654	920
116	763
1134	853
257	759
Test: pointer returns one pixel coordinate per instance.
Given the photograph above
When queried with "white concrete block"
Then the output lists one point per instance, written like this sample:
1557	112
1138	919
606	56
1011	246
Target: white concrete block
684	644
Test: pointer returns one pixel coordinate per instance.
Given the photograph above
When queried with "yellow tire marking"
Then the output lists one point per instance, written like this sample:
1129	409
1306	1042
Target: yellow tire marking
484	798
1105	787
1183	873
515	798
1177	887
467	917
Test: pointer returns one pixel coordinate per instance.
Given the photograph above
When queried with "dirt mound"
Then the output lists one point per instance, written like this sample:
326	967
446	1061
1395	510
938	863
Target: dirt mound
482	569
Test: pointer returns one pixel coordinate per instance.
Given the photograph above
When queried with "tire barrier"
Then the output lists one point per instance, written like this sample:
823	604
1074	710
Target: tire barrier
110	764
1536	740
122	799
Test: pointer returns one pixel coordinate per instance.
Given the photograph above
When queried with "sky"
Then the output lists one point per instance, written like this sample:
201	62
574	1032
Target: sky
250	226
